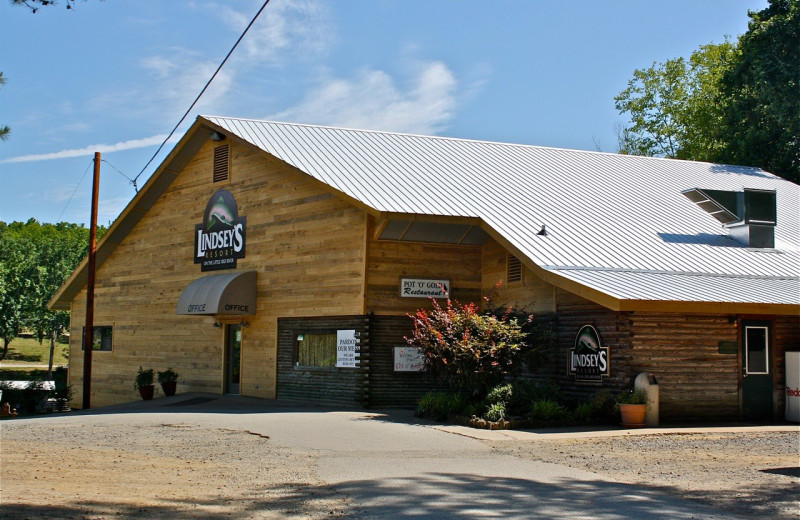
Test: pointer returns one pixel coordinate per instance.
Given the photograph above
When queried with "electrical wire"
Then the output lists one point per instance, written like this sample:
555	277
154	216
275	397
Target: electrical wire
133	181
76	189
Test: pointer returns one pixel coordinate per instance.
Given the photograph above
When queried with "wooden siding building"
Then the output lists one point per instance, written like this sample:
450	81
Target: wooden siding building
334	222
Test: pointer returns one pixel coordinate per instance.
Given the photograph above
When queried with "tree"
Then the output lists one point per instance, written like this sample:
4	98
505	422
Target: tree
674	106
35	259
762	93
472	351
4	130
35	5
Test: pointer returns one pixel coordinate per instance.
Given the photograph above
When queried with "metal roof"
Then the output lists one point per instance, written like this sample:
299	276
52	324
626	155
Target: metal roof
616	223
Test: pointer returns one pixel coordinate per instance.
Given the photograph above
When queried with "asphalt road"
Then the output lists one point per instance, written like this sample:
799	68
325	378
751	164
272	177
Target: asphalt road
390	465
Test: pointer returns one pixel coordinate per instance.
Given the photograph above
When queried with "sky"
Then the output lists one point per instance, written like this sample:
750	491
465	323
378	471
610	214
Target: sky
116	76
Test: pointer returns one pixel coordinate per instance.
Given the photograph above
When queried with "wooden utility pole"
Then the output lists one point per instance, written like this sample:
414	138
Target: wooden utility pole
88	335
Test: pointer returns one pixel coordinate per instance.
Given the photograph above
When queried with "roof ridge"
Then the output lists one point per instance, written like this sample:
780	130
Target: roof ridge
484	141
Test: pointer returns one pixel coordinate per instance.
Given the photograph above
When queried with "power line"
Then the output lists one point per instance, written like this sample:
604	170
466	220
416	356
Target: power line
76	189
133	181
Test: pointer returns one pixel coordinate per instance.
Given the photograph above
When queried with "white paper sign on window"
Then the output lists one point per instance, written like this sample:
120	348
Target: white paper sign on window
408	359
347	348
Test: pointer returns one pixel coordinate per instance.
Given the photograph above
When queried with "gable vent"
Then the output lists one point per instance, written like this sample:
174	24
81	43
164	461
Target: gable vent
513	269
221	163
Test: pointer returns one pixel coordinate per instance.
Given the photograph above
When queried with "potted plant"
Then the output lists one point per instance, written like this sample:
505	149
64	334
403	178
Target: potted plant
144	383
169	381
632	408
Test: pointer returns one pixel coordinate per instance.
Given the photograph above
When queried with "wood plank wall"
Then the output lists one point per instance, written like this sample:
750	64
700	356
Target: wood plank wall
532	294
387	387
308	248
322	385
785	338
695	380
389	261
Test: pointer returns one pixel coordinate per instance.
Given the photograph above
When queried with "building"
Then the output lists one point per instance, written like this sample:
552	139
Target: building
280	261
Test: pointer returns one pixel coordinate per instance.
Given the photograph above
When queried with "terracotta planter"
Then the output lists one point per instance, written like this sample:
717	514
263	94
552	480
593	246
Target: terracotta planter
169	387
147	392
633	415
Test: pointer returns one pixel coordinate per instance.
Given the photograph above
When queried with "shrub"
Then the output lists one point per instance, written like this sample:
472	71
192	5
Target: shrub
496	412
168	376
604	407
438	405
502	394
471	351
143	378
546	410
632	397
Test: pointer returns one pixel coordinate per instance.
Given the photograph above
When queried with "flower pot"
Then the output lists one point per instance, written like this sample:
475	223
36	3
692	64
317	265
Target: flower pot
633	415
147	392
169	387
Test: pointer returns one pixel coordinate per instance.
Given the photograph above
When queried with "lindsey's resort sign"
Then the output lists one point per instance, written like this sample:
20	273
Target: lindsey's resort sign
588	359
220	239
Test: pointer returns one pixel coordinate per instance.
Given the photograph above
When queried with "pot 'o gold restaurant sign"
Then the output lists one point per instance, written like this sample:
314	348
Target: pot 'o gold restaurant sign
220	239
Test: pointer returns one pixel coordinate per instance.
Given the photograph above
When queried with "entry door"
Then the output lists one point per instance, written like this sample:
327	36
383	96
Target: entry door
757	370
233	358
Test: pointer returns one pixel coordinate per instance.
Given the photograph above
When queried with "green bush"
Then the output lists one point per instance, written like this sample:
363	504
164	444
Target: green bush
502	394
496	412
471	351
546	410
438	405
632	397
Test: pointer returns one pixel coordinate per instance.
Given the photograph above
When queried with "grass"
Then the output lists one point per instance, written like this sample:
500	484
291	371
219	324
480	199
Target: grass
29	351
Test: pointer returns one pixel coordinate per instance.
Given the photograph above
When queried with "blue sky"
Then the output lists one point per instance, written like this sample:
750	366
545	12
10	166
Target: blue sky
115	76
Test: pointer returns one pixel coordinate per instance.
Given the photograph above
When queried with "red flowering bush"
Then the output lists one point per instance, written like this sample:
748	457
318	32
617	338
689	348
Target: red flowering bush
470	350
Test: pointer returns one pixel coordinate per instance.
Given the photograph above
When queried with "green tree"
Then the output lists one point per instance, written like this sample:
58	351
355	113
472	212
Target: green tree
35	259
4	130
762	93
674	106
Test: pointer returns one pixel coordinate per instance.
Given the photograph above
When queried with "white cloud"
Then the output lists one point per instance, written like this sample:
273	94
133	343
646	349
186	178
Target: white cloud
89	150
372	101
296	27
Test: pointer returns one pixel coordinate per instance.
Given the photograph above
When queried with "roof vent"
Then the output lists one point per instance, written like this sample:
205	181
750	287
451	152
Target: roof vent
513	269
750	215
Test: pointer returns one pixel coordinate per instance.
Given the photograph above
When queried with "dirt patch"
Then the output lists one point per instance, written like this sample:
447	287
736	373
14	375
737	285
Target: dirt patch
750	474
157	471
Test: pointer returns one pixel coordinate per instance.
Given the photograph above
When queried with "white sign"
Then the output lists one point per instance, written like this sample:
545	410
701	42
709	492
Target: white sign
424	288
347	348
408	359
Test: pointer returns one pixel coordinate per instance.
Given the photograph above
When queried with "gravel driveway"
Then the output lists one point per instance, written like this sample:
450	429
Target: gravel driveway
220	457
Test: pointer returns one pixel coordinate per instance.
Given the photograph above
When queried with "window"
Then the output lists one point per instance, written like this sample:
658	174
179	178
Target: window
221	163
316	350
102	337
756	350
513	269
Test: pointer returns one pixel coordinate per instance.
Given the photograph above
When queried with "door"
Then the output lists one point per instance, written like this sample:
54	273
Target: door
757	370
233	358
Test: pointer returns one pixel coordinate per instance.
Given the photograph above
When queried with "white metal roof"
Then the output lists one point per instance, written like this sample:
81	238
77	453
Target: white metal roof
616	223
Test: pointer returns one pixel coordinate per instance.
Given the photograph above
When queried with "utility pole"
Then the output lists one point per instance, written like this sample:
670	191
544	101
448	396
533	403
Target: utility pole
88	335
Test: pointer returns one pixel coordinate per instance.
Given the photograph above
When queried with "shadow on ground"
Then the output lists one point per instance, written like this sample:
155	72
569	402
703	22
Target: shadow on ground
434	495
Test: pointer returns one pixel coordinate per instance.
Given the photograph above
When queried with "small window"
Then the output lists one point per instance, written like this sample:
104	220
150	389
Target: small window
221	163
316	350
756	350
102	337
513	269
